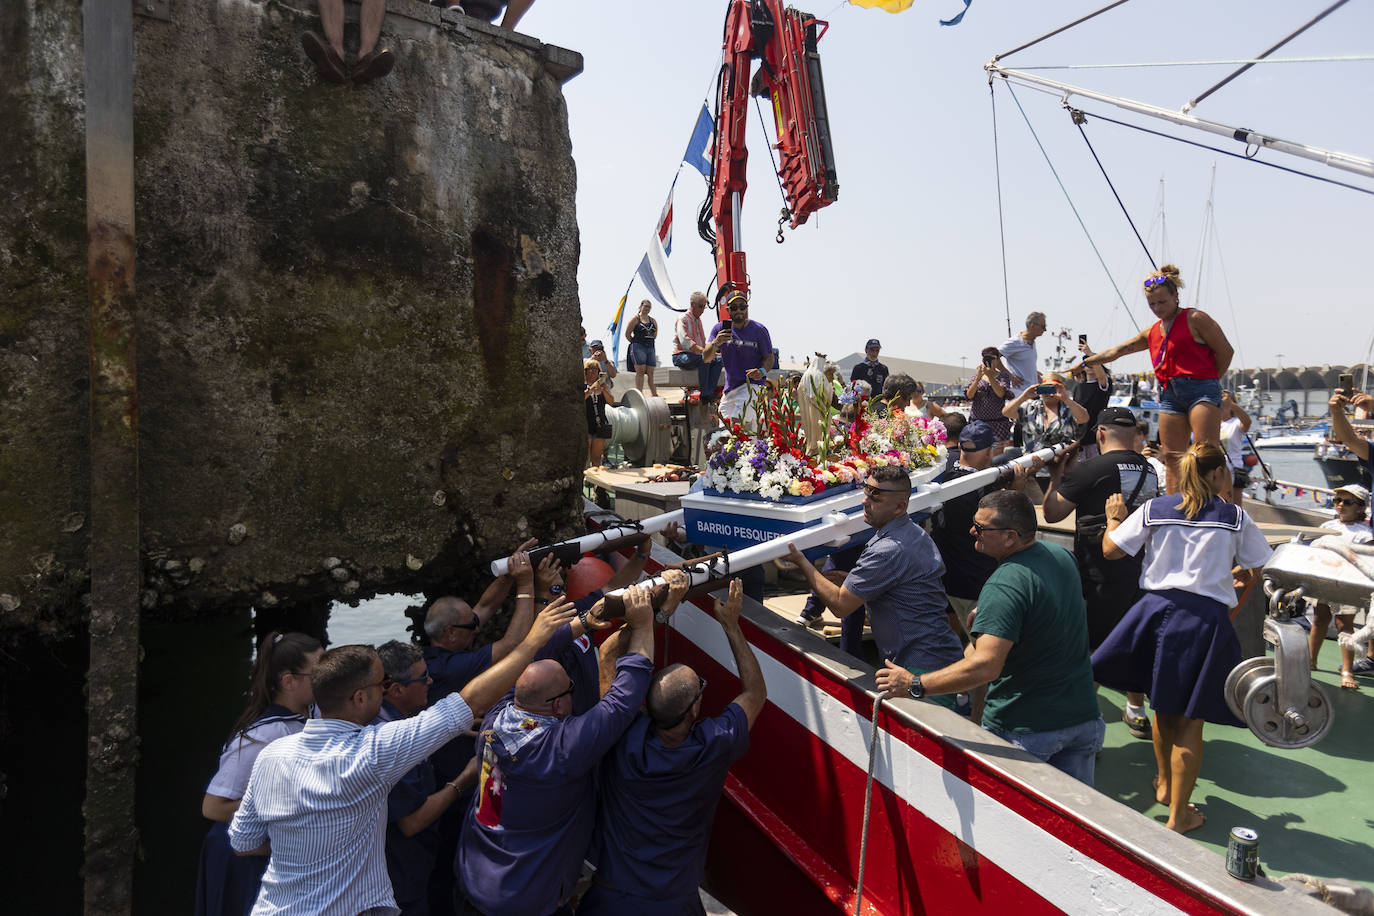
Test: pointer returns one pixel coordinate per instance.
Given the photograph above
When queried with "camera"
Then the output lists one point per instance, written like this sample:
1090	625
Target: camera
1045	389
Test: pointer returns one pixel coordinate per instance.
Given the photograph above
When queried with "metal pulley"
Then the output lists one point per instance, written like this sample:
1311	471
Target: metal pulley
1275	697
642	426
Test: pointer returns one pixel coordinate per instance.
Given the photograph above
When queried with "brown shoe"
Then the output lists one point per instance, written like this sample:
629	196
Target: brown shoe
325	58
369	68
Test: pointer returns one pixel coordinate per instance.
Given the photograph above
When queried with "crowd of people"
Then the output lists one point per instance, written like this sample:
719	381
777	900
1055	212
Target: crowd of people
458	778
470	776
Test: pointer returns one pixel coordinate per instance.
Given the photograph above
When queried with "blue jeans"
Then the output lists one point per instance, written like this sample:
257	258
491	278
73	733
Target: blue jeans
1073	749
708	374
1183	393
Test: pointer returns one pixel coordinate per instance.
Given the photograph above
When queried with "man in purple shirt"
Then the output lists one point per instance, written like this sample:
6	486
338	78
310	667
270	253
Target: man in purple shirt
661	784
530	826
747	351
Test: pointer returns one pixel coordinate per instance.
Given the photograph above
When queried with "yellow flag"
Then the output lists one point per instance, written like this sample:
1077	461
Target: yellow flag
892	6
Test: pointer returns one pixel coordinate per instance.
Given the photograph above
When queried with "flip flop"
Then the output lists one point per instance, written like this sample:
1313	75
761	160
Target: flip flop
376	64
1348	681
324	57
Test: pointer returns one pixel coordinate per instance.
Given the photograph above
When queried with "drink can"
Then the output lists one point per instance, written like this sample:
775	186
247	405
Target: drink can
1242	853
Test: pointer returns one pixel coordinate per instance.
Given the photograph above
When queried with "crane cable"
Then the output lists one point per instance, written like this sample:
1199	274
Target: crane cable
1001	228
1076	214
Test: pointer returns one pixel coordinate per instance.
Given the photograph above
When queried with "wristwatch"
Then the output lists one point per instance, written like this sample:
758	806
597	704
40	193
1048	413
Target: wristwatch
917	690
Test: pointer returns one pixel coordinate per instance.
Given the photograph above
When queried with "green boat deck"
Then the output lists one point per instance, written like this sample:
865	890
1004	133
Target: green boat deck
1313	807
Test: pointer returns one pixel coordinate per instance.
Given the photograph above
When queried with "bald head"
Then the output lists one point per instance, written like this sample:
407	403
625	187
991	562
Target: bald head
540	682
672	691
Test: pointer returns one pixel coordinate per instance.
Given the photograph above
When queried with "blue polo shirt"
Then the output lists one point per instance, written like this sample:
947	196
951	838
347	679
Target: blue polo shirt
451	672
899	577
659	802
530	824
409	859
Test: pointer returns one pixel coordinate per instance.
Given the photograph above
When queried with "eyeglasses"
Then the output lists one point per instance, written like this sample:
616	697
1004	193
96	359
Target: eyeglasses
407	681
1345	501
567	693
381	684
980	528
701	689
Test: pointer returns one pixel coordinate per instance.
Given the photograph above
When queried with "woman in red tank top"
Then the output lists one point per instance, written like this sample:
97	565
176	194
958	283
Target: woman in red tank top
1189	354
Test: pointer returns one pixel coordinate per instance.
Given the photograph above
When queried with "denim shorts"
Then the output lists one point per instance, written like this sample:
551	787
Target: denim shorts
1182	394
644	355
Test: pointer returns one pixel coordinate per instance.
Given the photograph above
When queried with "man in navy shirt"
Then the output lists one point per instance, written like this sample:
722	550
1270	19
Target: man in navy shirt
415	803
870	370
661	784
530	826
898	577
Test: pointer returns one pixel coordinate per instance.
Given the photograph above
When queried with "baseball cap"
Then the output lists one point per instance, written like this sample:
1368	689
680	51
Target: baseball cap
1357	491
593	344
1116	416
873	343
978	433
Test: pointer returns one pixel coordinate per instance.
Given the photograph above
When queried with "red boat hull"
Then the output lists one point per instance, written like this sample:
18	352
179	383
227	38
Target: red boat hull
960	822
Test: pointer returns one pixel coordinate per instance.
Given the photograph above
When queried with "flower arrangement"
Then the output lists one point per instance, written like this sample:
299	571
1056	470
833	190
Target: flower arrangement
776	463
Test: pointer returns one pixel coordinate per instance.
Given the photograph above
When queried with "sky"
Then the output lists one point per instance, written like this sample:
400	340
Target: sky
910	251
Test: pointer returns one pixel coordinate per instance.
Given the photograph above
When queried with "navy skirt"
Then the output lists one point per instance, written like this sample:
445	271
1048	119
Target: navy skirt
1178	648
226	884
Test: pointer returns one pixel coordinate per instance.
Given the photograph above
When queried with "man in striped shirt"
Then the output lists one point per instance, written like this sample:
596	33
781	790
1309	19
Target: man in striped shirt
689	341
316	799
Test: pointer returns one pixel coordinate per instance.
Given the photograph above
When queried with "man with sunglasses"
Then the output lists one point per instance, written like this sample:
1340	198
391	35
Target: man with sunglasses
966	569
416	802
526	835
315	799
661	783
1030	645
898	577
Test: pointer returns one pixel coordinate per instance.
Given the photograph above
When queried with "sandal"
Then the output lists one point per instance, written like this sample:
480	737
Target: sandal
1348	681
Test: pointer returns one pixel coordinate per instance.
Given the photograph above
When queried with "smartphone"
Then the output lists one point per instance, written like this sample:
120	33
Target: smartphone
1347	383
1045	389
1082	340
989	361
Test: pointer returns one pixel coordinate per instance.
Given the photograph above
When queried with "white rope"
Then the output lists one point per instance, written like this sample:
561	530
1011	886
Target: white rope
1209	63
868	804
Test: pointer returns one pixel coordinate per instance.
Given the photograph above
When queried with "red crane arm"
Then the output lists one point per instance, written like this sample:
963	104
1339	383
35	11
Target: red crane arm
784	41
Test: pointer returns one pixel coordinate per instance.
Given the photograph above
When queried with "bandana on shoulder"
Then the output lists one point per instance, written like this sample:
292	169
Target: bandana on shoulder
1168	510
516	727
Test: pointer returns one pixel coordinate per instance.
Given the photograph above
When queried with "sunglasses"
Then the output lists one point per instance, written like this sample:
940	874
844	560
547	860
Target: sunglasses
1156	281
407	681
464	626
1345	501
980	528
869	490
556	697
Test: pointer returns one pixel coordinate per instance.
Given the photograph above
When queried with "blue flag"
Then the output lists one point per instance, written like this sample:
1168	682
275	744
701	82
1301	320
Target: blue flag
959	16
698	154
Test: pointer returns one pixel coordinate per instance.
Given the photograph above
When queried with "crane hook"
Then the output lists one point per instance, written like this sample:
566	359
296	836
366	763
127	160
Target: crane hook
781	220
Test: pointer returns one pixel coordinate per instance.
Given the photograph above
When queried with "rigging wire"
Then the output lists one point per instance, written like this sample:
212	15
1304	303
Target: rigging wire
1078	120
1076	214
1226	285
1272	48
1342	58
786	210
1215	149
1063	28
1001	229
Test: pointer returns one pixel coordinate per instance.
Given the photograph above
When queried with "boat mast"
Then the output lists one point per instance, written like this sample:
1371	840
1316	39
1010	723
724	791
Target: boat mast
1251	138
